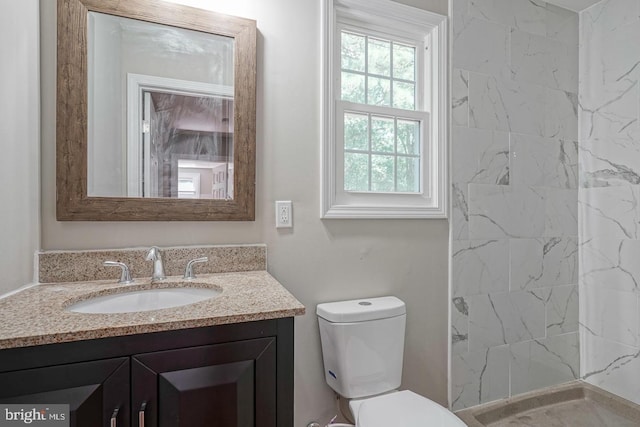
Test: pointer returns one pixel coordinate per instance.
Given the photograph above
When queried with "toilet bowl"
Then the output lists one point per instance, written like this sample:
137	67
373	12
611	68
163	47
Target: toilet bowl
362	351
402	409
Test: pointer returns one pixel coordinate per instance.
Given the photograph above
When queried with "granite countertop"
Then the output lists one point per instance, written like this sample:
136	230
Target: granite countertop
38	315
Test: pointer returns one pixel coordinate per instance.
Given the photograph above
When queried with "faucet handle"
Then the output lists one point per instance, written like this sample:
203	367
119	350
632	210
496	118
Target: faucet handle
188	272
125	276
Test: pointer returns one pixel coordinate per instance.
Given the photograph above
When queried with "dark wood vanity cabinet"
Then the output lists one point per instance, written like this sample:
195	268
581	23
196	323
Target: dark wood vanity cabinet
95	391
221	376
220	385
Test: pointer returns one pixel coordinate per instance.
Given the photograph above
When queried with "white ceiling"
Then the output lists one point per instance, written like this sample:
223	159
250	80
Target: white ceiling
575	5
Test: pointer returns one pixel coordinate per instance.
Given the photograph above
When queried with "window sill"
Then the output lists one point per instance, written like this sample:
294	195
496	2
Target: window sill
383	212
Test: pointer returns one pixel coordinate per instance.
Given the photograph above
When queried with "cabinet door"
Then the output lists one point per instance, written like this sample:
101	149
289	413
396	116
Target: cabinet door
93	390
222	385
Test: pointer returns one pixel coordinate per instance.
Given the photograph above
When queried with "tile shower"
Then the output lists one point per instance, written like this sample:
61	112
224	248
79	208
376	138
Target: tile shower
515	198
545	130
610	196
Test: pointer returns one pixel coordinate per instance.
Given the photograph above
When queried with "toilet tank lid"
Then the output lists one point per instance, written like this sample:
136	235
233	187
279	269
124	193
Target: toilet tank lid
361	310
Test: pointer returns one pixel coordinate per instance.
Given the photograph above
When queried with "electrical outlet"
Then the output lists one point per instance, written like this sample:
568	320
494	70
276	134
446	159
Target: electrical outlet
284	214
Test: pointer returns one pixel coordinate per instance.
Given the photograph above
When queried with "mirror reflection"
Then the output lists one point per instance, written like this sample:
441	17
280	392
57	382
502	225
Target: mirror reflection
161	108
186	145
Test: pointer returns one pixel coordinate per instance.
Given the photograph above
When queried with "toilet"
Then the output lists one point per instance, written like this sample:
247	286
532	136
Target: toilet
362	349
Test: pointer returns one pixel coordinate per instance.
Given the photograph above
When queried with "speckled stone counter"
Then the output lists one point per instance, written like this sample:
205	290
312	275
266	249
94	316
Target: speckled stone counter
39	315
81	266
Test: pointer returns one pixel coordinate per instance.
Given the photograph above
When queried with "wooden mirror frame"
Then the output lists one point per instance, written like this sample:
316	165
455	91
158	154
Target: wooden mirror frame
73	202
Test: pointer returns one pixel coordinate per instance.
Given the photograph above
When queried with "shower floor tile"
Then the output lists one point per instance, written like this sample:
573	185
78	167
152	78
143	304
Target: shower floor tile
577	413
576	404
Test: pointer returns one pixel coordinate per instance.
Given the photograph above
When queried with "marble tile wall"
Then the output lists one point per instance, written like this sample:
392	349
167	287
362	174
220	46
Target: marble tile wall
609	153
515	198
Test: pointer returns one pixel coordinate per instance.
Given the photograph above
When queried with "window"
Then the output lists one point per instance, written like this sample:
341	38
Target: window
384	152
189	185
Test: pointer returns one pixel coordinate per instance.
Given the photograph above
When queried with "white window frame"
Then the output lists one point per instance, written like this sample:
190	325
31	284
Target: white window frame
386	17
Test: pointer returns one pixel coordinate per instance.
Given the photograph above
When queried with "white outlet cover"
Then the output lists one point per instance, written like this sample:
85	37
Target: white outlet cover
284	214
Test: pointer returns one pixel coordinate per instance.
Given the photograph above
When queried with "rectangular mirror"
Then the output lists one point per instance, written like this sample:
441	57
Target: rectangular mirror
156	112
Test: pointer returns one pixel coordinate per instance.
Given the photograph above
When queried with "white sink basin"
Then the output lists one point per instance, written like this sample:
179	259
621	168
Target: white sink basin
145	300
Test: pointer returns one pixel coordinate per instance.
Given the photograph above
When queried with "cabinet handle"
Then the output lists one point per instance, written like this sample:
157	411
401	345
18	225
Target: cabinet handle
114	418
141	414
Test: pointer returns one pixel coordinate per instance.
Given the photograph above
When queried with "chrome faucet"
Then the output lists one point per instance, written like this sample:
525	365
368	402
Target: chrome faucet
188	272
125	276
155	255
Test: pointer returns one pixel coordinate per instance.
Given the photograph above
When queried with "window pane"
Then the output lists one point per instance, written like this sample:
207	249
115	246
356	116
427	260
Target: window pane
408	137
379	91
352	52
186	184
356	172
382	134
356	130
382	173
404	62
391	145
408	174
404	95
379	57
353	87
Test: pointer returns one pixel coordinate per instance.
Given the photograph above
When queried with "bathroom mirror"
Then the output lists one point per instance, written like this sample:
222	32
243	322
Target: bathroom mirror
156	112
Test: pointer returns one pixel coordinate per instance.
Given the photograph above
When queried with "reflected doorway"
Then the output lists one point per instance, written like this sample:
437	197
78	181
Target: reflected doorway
199	179
183	147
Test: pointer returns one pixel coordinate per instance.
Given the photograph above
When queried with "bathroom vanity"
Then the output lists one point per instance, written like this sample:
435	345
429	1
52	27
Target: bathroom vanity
225	361
229	375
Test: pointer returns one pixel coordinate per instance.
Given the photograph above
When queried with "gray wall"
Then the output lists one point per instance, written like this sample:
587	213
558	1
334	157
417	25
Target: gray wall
514	225
20	140
437	6
318	260
107	169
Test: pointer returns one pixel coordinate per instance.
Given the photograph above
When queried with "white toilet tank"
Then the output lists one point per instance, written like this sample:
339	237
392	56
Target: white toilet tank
362	345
